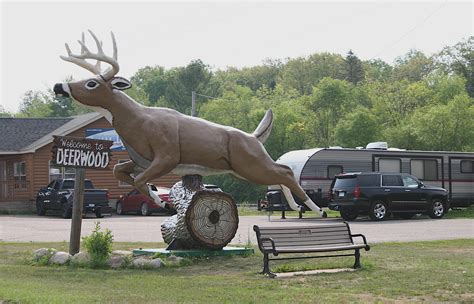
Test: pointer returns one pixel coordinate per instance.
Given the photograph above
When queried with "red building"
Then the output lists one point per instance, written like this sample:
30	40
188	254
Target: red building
25	159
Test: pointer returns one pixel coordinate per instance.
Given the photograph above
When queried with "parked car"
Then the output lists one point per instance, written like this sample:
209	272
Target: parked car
135	201
59	195
381	194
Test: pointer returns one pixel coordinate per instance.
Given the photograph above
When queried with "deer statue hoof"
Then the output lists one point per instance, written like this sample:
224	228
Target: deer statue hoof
153	194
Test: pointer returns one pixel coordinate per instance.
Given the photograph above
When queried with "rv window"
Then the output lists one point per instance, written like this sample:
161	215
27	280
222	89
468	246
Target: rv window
392	181
334	170
426	169
467	166
389	165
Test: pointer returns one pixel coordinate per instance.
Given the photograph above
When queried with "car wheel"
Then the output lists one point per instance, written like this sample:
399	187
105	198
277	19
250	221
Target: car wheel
40	208
436	209
349	215
406	215
98	213
145	210
66	211
378	210
119	209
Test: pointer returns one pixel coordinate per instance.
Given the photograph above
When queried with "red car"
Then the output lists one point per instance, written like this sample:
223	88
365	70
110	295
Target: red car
134	201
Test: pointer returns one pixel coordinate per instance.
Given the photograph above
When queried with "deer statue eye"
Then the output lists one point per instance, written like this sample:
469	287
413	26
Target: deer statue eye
91	84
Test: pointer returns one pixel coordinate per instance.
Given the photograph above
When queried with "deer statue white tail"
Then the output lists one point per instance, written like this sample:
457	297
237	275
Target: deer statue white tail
162	140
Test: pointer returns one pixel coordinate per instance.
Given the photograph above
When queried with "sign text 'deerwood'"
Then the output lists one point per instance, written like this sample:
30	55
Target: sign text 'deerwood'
81	153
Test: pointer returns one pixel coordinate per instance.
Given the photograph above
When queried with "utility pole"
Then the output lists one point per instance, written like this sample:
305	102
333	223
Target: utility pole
193	104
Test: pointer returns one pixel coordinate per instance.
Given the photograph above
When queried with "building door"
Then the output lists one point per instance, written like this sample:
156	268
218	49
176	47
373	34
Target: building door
3	180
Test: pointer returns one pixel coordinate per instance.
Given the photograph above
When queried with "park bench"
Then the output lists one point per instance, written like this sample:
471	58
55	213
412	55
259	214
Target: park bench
307	239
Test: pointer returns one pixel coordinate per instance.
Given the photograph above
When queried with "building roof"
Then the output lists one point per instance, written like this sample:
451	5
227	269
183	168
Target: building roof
24	135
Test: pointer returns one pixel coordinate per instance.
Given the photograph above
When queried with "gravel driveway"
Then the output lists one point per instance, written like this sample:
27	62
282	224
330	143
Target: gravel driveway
23	228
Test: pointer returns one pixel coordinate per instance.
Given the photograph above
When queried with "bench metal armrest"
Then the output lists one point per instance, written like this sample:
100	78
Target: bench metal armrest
272	242
367	247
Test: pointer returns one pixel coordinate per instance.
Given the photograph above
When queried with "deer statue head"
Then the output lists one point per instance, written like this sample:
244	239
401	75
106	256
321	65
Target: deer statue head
98	90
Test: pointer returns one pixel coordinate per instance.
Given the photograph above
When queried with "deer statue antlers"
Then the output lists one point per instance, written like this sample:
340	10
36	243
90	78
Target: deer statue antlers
80	60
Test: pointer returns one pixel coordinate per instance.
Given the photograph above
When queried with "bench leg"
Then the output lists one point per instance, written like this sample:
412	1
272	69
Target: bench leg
357	259
266	268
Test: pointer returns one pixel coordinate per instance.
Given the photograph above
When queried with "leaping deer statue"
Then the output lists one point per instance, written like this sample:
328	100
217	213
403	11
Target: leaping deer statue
161	140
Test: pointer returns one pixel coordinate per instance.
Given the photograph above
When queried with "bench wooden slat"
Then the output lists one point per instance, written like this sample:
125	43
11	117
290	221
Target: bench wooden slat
303	244
318	249
306	236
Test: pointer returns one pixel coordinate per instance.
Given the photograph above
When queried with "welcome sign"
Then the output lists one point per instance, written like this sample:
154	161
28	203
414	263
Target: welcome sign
81	152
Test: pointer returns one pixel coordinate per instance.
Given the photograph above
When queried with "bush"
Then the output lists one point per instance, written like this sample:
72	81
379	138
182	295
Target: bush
98	245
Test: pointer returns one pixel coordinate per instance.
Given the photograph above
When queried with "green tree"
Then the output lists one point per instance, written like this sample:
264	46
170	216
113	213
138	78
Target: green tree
460	60
354	68
414	66
329	103
444	127
357	128
4	113
377	70
302	74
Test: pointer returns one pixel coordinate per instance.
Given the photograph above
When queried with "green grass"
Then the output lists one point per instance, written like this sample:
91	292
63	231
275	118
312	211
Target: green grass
461	212
419	271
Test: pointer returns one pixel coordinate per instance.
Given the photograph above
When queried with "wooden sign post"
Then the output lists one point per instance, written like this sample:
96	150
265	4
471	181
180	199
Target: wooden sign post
80	153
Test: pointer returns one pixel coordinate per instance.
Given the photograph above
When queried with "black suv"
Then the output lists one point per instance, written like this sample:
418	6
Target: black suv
379	194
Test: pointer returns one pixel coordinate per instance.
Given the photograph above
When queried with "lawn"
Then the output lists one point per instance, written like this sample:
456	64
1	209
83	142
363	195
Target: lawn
419	271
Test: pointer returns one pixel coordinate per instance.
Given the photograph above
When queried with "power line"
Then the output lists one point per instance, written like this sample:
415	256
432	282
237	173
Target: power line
411	30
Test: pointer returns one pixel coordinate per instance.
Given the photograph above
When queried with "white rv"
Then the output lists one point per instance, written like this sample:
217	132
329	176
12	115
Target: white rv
316	168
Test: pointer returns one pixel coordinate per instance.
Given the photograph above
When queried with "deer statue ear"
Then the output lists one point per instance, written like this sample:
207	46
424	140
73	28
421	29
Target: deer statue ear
120	83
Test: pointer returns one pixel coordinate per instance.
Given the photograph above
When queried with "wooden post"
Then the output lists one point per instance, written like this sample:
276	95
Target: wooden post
77	207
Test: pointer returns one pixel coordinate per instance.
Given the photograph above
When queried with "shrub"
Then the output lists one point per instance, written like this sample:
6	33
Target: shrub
98	245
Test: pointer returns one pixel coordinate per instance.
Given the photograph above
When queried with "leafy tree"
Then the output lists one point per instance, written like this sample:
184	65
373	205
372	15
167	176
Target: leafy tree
302	74
377	70
448	127
445	87
354	68
460	60
4	113
328	102
357	128
257	77
414	66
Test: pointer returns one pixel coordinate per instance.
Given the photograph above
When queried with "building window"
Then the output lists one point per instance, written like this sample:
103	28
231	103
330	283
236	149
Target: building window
333	171
19	174
56	172
389	165
425	169
120	183
467	166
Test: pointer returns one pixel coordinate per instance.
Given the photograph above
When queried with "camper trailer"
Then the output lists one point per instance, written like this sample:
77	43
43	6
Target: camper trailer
316	168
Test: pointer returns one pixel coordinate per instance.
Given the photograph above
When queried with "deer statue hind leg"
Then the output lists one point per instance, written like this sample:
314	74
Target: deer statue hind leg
258	167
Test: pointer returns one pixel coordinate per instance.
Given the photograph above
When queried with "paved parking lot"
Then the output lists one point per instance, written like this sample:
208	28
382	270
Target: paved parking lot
130	228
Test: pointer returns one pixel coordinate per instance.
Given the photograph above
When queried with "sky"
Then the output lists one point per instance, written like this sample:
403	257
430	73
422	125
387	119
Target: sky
221	34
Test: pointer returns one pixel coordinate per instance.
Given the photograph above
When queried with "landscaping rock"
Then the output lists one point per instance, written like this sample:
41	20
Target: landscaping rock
81	258
174	259
60	258
44	252
142	262
117	261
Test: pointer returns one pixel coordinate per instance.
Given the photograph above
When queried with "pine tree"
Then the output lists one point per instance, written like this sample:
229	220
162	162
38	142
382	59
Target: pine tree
354	69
